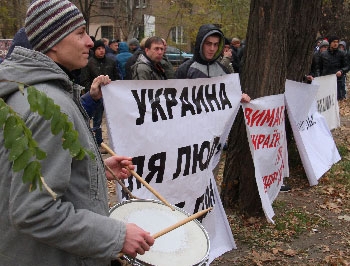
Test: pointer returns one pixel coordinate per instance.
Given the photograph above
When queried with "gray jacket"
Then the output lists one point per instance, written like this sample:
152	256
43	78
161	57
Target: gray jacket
34	228
144	69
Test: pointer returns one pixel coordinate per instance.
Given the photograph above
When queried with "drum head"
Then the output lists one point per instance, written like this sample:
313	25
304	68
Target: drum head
186	245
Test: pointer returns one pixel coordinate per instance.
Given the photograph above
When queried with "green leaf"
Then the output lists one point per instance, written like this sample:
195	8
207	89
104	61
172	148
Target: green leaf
2	103
18	147
68	126
32	99
27	132
42	100
12	131
69	137
32	172
57	122
49	109
22	161
75	148
4	111
81	154
40	154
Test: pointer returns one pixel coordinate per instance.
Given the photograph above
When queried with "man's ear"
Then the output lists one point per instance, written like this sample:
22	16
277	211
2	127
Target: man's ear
54	48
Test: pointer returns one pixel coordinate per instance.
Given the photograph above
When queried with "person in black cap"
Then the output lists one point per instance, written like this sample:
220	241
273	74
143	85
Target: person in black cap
333	61
112	48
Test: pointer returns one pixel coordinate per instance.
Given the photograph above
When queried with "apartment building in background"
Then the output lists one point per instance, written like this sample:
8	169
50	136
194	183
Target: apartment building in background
117	19
126	19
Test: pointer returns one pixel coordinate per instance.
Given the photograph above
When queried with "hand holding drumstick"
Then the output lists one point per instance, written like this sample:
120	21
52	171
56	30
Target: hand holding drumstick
139	178
144	244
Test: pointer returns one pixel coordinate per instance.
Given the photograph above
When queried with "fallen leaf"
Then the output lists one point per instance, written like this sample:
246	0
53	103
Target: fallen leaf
325	248
290	252
344	217
276	250
252	220
263	256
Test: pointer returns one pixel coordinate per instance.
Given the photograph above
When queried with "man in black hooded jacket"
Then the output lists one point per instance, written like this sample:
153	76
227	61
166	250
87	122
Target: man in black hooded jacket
204	64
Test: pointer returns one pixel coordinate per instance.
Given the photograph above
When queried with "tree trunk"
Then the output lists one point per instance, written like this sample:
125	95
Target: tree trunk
271	52
302	35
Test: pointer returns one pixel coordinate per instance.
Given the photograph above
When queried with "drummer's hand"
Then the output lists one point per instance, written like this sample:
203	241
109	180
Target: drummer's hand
118	165
137	241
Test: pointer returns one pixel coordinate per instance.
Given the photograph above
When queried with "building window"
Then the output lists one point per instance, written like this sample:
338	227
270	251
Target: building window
107	3
140	4
177	35
107	32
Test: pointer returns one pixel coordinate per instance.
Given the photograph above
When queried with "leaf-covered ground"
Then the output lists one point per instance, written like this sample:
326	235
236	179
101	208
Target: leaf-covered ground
312	224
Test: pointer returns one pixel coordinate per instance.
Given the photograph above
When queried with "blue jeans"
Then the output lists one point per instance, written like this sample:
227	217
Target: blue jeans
96	123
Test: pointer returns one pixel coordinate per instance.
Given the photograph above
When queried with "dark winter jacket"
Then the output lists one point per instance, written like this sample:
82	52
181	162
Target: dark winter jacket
110	52
131	61
123	57
145	69
198	66
168	67
20	39
332	61
89	104
96	67
236	58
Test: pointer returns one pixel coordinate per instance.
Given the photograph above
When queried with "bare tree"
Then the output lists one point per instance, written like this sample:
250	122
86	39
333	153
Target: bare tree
335	19
85	7
12	14
279	45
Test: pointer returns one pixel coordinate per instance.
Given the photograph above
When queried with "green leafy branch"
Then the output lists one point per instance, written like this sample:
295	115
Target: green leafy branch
24	150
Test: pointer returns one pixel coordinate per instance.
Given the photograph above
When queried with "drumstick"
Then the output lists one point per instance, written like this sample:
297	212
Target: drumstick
120	183
139	178
180	223
176	225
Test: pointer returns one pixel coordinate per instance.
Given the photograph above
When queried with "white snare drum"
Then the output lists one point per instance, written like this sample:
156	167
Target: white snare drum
186	245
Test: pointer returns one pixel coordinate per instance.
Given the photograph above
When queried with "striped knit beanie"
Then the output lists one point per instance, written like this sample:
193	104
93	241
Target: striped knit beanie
50	21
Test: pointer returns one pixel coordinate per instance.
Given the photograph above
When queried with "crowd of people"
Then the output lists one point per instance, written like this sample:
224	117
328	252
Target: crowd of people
54	53
330	57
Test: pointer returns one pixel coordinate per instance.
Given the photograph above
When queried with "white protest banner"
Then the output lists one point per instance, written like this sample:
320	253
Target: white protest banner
314	140
265	123
175	131
327	103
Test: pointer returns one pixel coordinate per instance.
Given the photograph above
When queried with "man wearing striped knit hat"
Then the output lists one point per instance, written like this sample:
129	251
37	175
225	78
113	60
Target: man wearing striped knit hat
75	228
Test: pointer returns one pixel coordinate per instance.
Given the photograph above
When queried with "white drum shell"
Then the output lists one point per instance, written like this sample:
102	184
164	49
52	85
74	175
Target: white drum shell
186	245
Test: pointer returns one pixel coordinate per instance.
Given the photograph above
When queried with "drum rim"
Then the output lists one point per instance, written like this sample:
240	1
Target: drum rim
133	260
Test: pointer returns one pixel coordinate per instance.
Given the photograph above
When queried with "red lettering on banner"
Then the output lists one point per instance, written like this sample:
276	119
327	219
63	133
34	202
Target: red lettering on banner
268	180
270	117
261	141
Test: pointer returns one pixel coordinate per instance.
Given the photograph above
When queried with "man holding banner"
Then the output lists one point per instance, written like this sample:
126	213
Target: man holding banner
189	121
208	47
333	61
